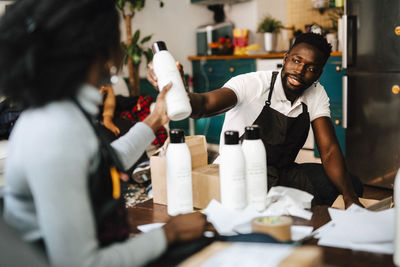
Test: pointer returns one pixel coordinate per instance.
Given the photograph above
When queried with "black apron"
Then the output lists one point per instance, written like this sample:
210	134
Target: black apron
106	193
283	137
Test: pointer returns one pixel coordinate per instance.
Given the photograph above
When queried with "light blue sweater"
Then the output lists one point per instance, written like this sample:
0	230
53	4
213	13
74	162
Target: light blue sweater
51	151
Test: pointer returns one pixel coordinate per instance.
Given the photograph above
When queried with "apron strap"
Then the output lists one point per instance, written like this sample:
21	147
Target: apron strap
305	109
271	87
103	141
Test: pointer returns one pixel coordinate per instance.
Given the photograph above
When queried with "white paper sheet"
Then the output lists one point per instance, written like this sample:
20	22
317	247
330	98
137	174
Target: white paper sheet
148	227
250	255
281	201
359	229
226	220
299	232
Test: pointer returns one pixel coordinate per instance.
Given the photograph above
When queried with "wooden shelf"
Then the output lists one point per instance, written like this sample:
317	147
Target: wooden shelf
260	56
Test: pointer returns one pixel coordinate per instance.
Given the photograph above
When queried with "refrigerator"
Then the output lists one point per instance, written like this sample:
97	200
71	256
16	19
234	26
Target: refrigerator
371	97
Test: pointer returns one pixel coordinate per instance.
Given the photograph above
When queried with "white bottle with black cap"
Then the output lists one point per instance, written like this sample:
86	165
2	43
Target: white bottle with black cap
179	174
178	106
232	173
256	168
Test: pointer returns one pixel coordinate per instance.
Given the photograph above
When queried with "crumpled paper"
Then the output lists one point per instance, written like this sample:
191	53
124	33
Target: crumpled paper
280	201
283	200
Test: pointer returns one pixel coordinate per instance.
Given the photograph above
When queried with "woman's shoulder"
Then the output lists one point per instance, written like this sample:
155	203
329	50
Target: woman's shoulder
56	122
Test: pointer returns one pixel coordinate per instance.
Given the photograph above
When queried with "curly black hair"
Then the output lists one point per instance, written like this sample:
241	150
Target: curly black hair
316	40
48	46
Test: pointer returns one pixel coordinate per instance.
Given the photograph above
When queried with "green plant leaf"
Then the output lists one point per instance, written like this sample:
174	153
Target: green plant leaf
146	39
136	59
136	49
139	4
269	24
148	55
135	37
121	4
130	50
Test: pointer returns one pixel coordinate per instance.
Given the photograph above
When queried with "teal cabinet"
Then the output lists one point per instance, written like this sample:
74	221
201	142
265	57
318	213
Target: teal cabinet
331	79
212	74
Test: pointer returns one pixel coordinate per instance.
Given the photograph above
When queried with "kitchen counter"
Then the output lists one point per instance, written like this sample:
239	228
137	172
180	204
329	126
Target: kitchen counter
255	56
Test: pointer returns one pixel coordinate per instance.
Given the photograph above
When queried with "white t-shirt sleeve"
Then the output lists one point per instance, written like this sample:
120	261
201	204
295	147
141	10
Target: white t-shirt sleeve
320	105
246	86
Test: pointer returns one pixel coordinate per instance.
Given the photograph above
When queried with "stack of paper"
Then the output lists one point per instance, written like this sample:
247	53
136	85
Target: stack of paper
250	255
359	229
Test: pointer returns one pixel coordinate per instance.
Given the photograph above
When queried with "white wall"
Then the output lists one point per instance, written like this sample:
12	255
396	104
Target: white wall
175	24
248	15
275	8
243	17
177	21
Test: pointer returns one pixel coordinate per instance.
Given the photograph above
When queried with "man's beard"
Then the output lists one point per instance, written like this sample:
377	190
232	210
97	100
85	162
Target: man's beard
298	90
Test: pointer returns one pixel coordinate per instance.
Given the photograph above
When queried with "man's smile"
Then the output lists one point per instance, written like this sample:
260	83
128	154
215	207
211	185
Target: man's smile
295	80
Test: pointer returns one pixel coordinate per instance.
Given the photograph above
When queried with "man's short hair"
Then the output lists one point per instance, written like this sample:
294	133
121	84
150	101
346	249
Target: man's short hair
316	40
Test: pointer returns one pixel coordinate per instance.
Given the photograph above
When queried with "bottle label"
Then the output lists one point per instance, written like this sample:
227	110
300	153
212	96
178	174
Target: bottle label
179	189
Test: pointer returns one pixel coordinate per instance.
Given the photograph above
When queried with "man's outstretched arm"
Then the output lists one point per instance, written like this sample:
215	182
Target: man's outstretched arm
212	103
205	104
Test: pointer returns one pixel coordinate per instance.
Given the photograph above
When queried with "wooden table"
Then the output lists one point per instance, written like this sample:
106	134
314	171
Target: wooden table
148	212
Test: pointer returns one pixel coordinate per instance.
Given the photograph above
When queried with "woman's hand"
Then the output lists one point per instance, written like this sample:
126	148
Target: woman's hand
158	116
152	78
185	227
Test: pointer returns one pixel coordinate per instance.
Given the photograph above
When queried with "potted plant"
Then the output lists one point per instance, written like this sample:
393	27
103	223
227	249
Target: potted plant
270	27
135	47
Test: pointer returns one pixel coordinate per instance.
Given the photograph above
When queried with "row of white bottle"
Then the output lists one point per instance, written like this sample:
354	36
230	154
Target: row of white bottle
243	170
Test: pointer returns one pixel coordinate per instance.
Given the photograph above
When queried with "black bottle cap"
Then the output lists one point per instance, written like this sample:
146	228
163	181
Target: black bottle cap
159	46
231	137
177	136
252	132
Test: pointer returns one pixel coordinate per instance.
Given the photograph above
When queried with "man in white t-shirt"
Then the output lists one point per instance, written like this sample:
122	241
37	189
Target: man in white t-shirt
284	104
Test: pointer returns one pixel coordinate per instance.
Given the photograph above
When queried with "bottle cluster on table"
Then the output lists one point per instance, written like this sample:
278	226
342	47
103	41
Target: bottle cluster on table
242	172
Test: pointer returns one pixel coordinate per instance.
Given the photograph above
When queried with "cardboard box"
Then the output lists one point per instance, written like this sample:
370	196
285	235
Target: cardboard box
205	182
370	204
198	151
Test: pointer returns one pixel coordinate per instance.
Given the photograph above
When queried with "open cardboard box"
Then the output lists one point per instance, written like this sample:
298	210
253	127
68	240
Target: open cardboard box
205	178
371	204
